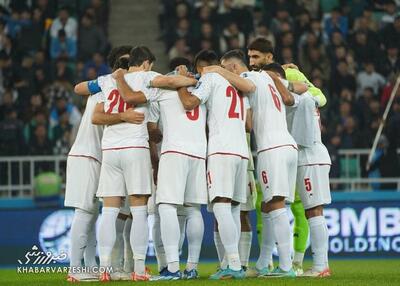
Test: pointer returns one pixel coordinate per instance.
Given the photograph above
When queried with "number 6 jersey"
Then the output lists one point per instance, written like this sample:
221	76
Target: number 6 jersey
269	114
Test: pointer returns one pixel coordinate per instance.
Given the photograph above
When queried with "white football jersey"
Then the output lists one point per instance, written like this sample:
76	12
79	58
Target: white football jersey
269	114
226	115
317	154
124	135
183	131
88	139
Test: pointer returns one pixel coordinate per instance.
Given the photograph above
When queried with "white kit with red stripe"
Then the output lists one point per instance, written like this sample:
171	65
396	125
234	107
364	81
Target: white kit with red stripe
124	135
181	173
227	144
84	159
226	115
277	150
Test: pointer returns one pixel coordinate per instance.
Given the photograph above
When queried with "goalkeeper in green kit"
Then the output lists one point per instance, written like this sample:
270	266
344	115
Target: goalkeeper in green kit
260	53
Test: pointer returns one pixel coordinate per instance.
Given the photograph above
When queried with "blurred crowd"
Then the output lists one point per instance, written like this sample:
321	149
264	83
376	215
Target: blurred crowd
349	49
46	46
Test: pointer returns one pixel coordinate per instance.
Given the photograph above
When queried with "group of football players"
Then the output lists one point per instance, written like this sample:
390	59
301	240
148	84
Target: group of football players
202	120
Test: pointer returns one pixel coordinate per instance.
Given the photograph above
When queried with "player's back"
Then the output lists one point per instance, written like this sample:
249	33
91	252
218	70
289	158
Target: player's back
226	115
269	114
183	131
88	138
122	135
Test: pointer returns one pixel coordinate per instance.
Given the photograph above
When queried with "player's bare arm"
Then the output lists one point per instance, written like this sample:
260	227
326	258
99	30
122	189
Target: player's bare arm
287	97
242	84
189	101
174	82
130	96
155	134
82	88
100	117
249	122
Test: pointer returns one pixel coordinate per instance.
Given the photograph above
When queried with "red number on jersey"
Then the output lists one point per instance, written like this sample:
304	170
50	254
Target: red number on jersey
115	99
275	97
307	184
194	114
264	177
231	92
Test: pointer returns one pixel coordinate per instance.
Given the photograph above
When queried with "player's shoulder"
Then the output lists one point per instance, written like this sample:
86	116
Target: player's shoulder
105	79
97	97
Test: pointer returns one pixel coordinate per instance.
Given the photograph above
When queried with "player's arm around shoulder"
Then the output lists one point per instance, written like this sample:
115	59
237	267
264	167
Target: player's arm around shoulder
129	96
100	117
242	84
189	101
87	87
286	96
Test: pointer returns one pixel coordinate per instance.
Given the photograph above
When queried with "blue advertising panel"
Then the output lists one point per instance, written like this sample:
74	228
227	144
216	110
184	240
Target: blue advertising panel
356	229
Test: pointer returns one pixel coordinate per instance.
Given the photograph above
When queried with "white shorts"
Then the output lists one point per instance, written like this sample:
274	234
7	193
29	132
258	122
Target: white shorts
181	180
276	170
227	177
81	183
125	172
313	185
251	193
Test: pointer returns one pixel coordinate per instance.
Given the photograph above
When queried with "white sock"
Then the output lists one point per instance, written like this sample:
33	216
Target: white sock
281	229
158	245
181	213
128	254
81	226
170	234
219	247
90	251
194	232
236	218
139	237
228	232
107	234
117	254
267	242
245	247
319	242
298	257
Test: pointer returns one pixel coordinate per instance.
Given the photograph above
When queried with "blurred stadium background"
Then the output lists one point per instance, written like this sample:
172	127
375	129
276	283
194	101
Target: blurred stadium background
349	49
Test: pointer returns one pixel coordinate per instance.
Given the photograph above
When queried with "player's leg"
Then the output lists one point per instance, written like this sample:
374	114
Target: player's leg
158	245
300	234
128	254
81	186
246	236
194	233
225	198
277	169
315	193
89	256
172	175
117	255
107	232
181	212
267	244
136	167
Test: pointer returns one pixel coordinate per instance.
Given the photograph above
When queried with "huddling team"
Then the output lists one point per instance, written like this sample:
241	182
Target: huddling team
200	120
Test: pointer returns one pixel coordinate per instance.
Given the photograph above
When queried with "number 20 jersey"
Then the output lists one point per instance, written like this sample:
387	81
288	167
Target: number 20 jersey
123	135
226	115
269	114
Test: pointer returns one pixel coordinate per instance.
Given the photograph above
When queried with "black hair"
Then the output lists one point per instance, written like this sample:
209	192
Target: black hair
121	63
116	53
262	45
179	61
139	55
208	56
235	54
275	67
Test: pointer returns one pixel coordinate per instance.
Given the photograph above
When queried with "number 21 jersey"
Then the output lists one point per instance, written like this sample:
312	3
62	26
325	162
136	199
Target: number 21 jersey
226	115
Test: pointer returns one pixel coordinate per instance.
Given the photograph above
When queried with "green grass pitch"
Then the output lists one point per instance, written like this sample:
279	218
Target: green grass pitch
345	272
